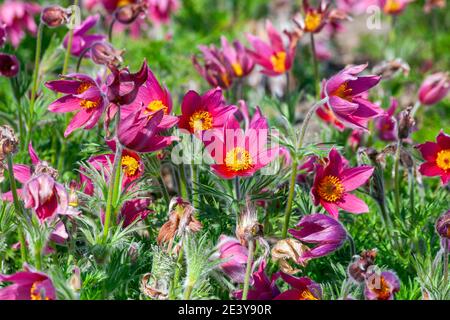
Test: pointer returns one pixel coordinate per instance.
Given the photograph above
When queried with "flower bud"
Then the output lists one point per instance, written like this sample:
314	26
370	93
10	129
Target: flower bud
406	123
358	269
8	141
434	88
128	13
55	16
9	65
443	225
105	54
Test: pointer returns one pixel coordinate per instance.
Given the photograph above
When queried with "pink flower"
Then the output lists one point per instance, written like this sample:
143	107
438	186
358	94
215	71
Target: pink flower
82	94
81	40
206	112
334	181
9	65
237	57
273	57
387	124
133	210
381	286
27	285
18	17
315	18
238	152
263	288
394	7
434	88
234	255
437	157
345	91
324	112
161	10
301	289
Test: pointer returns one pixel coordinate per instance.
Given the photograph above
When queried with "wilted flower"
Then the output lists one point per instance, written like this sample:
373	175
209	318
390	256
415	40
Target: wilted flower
82	94
237	57
301	289
315	18
18	17
262	288
154	288
9	65
325	232
27	285
443	225
345	91
8	141
123	86
161	10
390	68
394	7
287	250
406	123
431	4
434	88
273	57
437	157
387	124
334	182
381	286
215	68
55	16
360	267
234	255
81	41
248	228
104	53
130	12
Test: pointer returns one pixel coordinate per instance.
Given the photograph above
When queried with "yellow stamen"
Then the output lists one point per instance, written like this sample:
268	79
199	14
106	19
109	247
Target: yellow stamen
225	79
86	104
307	295
83	87
443	159
37	294
130	165
122	3
392	6
384	291
156	105
201	120
343	91
238	159
313	21
331	189
278	61
237	69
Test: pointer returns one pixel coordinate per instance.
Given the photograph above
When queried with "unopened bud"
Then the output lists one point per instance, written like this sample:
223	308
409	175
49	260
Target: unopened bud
405	123
9	65
55	16
105	54
443	225
8	141
128	13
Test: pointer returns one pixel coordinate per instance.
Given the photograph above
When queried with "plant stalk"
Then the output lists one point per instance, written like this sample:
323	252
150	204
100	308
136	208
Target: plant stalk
248	271
316	66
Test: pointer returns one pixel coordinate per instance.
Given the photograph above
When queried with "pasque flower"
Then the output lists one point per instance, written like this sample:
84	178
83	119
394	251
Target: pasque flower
324	112
130	12
103	53
82	94
434	88
55	16
381	286
81	39
263	288
387	124
315	18
237	57
215	68
274	57
346	91
394	7
161	10
241	153
201	113
234	255
443	226
301	289
9	65
334	182
27	285
133	210
437	157
325	232
18	18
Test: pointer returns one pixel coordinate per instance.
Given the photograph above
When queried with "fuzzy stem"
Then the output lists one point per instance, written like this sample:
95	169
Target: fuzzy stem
251	247
195	182
110	30
176	277
17	207
352	246
316	66
69	46
411	192
188	291
183	184
445	256
164	190
397	178
38	257
237	188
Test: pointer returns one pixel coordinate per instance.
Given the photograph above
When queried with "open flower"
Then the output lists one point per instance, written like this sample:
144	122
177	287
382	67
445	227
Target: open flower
27	285
262	288
9	65
81	40
345	91
82	94
18	18
382	286
237	57
301	289
394	7
234	255
201	113
132	210
274	57
437	157
325	232
334	182
241	153
161	10
315	18
434	88
387	124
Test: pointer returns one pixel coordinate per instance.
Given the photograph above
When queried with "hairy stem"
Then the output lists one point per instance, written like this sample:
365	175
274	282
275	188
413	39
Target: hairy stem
69	45
397	178
183	183
248	271
445	256
176	277
316	66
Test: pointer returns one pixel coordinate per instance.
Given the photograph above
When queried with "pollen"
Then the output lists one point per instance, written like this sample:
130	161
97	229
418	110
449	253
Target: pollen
201	120
443	159
383	292
313	21
237	68
83	87
130	165
36	293
122	3
278	61
392	6
156	105
307	295
343	91
238	159
331	189
86	104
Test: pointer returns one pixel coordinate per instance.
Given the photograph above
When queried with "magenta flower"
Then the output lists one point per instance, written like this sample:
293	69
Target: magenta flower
2	35
382	286
132	210
434	88
263	288
27	285
81	40
201	113
387	124
324	112
334	182
237	57
241	153
394	7
346	91
315	18
234	255
437	157
161	10
301	289
9	65
82	94
18	17
273	57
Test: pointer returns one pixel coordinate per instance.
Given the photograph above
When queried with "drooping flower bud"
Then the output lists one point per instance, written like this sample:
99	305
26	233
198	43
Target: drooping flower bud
406	123
55	16
8	141
129	13
289	250
443	225
9	65
358	269
75	280
434	88
104	53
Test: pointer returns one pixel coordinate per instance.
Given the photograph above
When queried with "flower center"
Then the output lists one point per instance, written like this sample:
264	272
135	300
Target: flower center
83	87
225	79
279	61
37	292
343	91
331	189
384	291
156	105
392	6
307	295
130	165
313	20
443	159
86	104
122	3
237	68
238	159
201	120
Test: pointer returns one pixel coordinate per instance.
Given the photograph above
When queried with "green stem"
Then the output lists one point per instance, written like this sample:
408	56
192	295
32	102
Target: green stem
195	182
164	190
248	271
352	246
316	66
38	257
110	30
69	45
176	277
445	256
183	184
411	193
397	178
188	291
